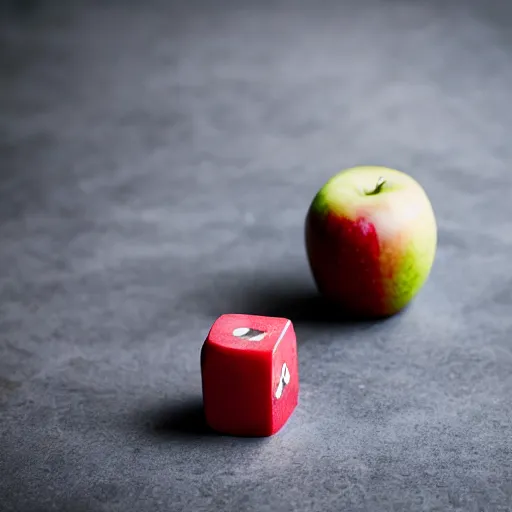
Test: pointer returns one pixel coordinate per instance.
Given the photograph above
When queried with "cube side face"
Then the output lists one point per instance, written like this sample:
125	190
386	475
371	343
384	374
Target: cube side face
236	388
247	333
285	379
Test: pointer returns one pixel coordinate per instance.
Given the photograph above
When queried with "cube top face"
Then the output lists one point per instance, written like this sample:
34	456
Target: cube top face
248	332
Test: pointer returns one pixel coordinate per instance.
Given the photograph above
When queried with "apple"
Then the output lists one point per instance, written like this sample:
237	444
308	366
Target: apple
371	238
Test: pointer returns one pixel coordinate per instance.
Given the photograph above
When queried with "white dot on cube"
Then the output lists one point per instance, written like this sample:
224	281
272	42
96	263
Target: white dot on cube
240	331
283	381
286	374
246	333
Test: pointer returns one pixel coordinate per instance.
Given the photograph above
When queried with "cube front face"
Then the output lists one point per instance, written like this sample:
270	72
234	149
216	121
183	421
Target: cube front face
249	374
234	390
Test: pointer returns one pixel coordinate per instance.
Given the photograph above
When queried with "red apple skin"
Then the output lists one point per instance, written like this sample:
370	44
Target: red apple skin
346	276
370	253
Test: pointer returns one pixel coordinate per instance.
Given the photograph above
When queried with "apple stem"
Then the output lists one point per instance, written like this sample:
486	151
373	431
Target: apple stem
378	187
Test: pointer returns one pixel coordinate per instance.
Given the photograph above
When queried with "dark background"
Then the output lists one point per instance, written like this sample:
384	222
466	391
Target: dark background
157	161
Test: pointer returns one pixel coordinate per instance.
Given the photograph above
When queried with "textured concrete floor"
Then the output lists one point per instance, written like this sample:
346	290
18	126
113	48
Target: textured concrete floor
156	164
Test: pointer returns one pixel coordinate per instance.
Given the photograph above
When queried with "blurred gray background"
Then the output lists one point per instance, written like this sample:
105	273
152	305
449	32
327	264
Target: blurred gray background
157	160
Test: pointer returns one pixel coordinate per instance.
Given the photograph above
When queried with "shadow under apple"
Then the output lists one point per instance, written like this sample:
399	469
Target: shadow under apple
282	295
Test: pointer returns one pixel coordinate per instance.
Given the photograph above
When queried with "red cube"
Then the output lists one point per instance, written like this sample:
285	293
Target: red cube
250	374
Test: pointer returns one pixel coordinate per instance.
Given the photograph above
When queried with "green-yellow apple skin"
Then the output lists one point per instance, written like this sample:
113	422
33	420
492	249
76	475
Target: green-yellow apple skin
371	239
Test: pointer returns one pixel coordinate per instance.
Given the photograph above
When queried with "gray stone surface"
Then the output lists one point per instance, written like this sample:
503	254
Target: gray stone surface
157	161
